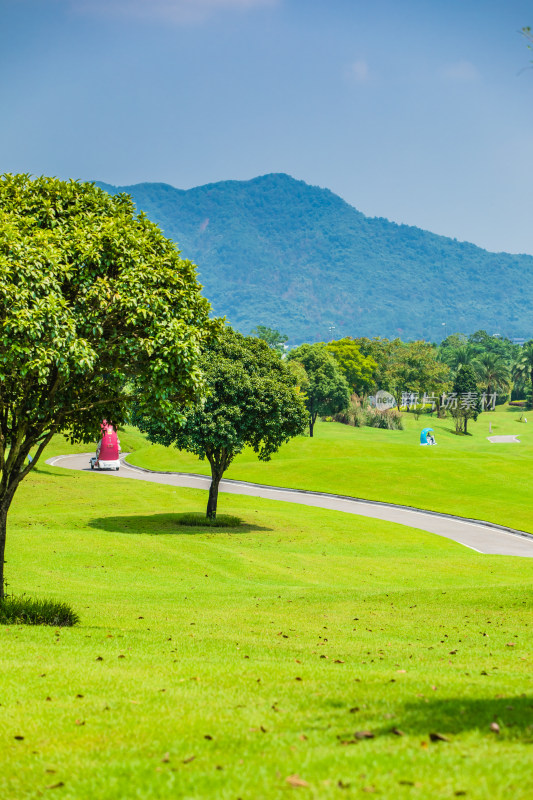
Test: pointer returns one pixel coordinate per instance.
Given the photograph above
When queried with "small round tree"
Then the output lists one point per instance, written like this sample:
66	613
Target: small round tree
358	370
92	299
326	389
251	400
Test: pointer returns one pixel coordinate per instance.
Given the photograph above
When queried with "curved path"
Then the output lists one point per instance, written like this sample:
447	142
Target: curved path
484	537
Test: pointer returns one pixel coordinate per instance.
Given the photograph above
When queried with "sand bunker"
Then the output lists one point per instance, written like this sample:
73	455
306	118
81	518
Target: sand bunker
508	439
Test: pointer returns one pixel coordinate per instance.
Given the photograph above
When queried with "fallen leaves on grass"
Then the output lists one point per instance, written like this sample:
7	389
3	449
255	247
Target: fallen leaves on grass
495	728
296	781
438	737
364	735
397	732
188	760
166	758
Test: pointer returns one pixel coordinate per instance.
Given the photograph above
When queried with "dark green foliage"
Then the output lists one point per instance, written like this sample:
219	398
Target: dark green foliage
326	389
465	383
31	611
251	400
523	369
199	520
298	257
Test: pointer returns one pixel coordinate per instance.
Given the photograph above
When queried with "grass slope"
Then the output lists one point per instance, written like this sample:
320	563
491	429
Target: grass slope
468	476
220	663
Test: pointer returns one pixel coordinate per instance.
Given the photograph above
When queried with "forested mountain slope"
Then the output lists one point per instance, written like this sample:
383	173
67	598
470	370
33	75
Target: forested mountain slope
278	252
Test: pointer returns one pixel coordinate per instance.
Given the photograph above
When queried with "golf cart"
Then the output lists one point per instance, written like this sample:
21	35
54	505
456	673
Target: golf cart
107	452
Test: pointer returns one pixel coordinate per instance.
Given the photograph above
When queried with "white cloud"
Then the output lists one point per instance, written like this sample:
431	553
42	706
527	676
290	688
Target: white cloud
461	71
359	71
175	11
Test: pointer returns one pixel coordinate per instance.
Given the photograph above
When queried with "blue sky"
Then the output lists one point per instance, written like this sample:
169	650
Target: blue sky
416	110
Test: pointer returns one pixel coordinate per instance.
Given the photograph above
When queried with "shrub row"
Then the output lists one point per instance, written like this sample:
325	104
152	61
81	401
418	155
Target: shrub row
359	416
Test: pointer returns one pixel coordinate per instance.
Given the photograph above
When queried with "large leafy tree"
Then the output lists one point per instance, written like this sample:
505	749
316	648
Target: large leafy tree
414	367
358	370
92	299
326	391
252	399
380	350
523	368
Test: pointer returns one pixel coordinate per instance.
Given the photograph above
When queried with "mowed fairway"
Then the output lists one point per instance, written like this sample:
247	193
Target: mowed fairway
219	663
468	476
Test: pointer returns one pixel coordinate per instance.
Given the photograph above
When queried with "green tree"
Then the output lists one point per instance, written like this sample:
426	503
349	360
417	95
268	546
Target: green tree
92	298
481	342
468	404
523	367
414	367
327	390
271	336
458	356
358	370
252	399
380	350
492	372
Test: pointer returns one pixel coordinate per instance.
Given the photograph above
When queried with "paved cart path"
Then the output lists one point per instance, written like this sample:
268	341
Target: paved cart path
484	537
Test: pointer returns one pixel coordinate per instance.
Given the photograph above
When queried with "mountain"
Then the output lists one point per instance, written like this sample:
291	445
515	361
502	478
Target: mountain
275	251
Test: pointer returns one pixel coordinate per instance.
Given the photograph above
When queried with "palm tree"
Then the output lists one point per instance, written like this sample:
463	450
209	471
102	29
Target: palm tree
523	368
458	357
492	372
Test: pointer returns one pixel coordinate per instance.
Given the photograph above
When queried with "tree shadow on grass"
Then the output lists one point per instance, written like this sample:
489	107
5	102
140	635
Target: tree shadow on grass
455	715
164	524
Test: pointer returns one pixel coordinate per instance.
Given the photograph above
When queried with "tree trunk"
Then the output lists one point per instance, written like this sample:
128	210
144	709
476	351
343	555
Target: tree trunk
312	420
13	470
216	475
4	508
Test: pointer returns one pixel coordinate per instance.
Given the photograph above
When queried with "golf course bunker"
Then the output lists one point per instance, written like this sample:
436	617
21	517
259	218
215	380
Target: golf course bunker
507	439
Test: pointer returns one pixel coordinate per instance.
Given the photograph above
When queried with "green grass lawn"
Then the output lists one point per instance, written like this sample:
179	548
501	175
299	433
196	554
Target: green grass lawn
468	476
218	663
